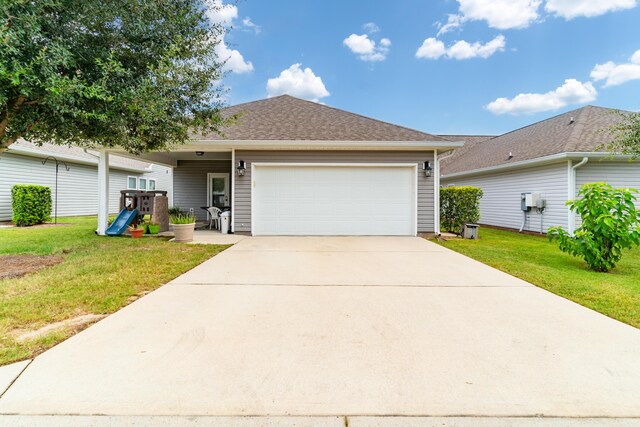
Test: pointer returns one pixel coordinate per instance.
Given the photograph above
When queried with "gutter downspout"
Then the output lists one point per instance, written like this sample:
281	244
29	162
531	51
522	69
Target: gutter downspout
436	190
571	191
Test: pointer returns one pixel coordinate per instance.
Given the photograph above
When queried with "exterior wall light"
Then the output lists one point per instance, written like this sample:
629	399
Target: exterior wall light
241	168
199	153
427	168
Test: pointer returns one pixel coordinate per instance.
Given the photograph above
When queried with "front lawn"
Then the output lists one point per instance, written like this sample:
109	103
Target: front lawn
98	275
536	260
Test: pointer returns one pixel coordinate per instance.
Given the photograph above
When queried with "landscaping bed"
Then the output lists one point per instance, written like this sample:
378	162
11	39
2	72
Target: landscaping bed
84	275
540	262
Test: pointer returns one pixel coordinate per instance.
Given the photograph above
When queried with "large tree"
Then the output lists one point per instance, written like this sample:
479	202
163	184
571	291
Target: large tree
626	135
139	74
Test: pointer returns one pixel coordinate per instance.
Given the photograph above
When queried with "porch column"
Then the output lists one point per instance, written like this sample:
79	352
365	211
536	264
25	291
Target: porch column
436	193
103	192
233	190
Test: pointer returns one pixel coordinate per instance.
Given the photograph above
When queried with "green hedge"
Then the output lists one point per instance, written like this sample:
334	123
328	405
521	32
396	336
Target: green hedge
31	204
459	206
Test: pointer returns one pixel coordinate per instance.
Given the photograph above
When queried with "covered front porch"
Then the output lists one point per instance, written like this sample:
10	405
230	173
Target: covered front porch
202	178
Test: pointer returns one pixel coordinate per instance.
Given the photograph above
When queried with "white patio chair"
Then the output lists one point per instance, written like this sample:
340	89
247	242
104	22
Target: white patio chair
214	214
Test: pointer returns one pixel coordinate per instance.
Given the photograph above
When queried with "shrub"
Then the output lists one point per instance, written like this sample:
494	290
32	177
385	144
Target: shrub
459	206
31	204
182	219
174	210
609	225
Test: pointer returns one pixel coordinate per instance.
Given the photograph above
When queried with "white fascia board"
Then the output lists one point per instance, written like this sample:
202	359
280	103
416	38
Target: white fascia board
538	162
223	145
34	152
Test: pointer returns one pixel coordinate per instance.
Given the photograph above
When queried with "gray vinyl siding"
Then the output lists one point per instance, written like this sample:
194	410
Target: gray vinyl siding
242	214
190	183
500	205
77	188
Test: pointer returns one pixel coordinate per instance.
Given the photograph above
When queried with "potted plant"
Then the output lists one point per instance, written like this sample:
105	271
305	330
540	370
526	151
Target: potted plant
136	231
183	226
153	228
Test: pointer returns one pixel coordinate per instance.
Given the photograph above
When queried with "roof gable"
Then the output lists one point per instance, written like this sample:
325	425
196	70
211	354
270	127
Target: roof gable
581	130
285	118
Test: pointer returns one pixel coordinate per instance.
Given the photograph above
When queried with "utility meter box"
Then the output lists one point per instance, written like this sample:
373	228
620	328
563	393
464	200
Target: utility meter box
530	200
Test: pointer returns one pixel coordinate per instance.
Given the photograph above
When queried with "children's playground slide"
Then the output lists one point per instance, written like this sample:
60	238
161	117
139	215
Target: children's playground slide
120	224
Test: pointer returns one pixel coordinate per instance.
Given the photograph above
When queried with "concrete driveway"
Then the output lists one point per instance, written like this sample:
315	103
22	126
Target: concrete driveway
329	326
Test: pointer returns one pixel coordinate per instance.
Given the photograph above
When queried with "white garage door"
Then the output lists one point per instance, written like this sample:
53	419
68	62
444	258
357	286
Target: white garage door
334	200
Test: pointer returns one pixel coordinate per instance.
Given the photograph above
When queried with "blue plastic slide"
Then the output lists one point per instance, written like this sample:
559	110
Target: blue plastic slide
120	224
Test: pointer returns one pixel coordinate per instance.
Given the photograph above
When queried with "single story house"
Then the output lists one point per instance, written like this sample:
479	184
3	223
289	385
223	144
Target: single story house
22	163
550	159
295	167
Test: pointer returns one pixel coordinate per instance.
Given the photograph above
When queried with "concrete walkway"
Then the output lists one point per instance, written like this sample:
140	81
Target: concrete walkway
342	327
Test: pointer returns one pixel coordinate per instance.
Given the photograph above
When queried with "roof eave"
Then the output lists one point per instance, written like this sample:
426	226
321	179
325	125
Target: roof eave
39	153
539	161
317	145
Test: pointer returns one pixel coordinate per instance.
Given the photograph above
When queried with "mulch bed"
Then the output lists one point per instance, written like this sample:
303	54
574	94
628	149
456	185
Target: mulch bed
12	266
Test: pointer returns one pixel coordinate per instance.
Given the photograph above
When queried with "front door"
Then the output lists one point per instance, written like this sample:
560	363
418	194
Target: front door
218	190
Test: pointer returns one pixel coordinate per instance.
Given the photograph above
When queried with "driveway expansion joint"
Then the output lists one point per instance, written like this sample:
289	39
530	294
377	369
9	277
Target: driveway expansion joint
16	378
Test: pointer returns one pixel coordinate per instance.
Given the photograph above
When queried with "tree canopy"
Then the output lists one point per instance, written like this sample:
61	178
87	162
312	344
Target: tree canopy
626	136
137	74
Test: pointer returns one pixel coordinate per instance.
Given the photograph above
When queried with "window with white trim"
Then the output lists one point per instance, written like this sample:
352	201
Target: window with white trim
132	183
142	184
152	184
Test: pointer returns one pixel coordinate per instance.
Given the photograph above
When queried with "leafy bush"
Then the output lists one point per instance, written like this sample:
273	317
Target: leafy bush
182	219
31	204
459	206
174	210
609	225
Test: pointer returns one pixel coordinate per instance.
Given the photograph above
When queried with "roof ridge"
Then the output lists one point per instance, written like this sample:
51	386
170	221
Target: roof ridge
317	104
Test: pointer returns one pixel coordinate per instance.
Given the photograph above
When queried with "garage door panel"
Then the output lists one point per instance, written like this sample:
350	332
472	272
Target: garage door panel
333	200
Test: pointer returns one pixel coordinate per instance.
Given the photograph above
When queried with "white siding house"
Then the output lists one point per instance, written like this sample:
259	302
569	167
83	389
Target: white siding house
500	205
77	187
554	158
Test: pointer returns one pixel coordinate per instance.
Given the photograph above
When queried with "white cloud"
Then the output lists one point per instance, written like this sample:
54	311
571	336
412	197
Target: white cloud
571	92
371	28
299	83
617	74
500	14
225	14
453	21
433	48
366	48
247	23
234	61
222	13
570	9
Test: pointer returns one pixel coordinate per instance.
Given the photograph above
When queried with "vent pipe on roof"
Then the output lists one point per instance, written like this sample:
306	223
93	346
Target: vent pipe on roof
510	156
572	120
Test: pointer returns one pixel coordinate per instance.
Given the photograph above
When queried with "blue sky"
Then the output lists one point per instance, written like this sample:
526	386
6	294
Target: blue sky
500	65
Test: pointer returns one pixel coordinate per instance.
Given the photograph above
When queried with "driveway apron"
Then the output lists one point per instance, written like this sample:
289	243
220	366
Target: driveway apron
358	326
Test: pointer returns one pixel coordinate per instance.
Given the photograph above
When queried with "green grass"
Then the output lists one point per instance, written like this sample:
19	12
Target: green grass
536	260
98	275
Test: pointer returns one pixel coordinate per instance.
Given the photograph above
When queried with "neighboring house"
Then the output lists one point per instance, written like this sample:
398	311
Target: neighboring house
294	167
552	158
77	187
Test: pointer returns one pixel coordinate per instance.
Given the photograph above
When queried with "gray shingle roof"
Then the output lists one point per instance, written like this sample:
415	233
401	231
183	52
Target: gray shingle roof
558	134
285	118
